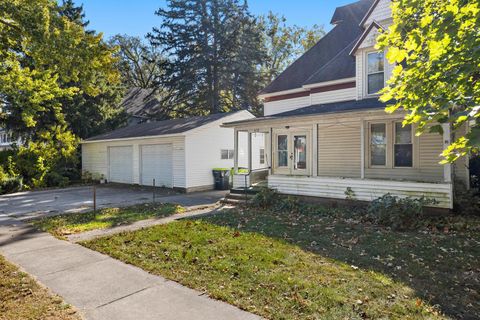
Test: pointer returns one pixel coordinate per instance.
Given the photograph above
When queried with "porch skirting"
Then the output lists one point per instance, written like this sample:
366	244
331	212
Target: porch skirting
365	190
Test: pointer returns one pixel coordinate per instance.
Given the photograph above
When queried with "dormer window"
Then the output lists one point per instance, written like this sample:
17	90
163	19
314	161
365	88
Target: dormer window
375	72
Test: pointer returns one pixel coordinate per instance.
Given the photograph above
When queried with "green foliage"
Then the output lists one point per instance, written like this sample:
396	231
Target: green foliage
265	198
467	202
8	183
397	213
58	83
475	172
434	44
284	43
139	63
212	47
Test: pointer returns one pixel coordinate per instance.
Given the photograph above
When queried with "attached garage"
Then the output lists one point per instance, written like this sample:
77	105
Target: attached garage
179	153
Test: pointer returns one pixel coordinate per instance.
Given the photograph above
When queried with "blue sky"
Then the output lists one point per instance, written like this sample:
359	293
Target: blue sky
136	17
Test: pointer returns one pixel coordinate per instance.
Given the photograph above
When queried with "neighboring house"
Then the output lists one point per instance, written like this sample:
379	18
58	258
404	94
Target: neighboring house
328	134
6	140
140	105
179	153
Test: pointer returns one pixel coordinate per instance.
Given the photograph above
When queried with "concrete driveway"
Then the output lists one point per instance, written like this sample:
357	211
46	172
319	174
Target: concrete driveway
25	205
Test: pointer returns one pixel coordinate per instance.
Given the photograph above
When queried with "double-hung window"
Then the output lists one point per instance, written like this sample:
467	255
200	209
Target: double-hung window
378	144
375	72
403	147
391	145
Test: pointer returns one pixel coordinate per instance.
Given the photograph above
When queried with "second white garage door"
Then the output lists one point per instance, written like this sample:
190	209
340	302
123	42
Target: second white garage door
156	163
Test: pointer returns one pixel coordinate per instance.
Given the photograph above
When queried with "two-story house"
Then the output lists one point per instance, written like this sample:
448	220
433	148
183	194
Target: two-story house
328	135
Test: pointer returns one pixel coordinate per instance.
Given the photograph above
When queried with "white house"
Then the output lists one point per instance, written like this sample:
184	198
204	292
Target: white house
327	132
178	153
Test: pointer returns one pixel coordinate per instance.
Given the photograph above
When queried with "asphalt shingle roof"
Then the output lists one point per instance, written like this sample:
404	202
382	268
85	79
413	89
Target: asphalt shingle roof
328	59
318	109
159	128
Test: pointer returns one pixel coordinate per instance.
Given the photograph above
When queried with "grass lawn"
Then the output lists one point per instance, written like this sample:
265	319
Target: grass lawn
311	266
21	298
66	224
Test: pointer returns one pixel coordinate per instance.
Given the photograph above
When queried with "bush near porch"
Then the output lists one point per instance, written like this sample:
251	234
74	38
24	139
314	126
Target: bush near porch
296	262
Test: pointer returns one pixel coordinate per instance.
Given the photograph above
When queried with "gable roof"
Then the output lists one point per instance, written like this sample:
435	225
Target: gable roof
160	128
329	50
374	24
140	102
369	12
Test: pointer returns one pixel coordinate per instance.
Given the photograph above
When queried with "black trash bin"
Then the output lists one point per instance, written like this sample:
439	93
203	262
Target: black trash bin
222	179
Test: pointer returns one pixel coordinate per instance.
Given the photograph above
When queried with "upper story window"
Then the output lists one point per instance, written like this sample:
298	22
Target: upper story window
375	72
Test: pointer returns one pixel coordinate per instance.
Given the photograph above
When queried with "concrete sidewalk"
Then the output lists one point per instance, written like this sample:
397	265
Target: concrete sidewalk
104	288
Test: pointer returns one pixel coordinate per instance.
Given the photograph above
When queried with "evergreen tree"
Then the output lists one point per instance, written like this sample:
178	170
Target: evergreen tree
212	49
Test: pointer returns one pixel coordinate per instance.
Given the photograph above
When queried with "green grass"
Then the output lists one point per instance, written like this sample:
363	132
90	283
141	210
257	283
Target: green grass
66	224
310	266
21	298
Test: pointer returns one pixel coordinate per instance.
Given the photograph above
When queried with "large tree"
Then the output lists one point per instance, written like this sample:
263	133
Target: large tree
140	63
46	61
213	49
284	43
435	45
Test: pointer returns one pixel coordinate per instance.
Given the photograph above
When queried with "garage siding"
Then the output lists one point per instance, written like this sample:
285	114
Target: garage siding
203	147
95	157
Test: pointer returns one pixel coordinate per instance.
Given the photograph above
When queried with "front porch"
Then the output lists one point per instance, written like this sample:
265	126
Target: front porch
332	158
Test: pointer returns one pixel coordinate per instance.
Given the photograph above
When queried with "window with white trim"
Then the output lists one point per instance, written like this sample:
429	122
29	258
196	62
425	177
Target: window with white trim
403	146
378	144
375	72
226	154
262	156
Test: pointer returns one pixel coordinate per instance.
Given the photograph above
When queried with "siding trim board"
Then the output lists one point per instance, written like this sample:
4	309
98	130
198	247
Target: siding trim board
308	92
364	190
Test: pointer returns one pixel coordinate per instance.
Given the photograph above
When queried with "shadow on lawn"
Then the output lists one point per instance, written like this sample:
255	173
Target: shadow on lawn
443	268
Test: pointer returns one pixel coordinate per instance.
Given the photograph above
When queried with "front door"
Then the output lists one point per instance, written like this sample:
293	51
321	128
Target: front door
292	153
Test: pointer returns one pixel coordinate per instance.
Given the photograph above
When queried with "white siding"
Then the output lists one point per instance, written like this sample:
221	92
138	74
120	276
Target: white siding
366	190
203	147
380	13
334	96
285	105
339	149
95	157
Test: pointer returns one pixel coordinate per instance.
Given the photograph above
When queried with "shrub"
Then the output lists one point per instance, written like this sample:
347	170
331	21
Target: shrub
467	202
397	213
55	179
11	184
265	198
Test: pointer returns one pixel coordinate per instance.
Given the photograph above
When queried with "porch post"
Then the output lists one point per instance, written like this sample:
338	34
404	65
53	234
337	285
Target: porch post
447	168
249	151
270	150
315	150
235	153
362	150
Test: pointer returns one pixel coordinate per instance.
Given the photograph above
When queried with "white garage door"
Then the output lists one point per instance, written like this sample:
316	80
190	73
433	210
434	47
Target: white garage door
156	163
120	164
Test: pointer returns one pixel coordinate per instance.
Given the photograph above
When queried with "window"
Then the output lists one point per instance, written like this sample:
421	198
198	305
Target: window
375	72
403	148
378	144
282	150
300	152
262	156
227	154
